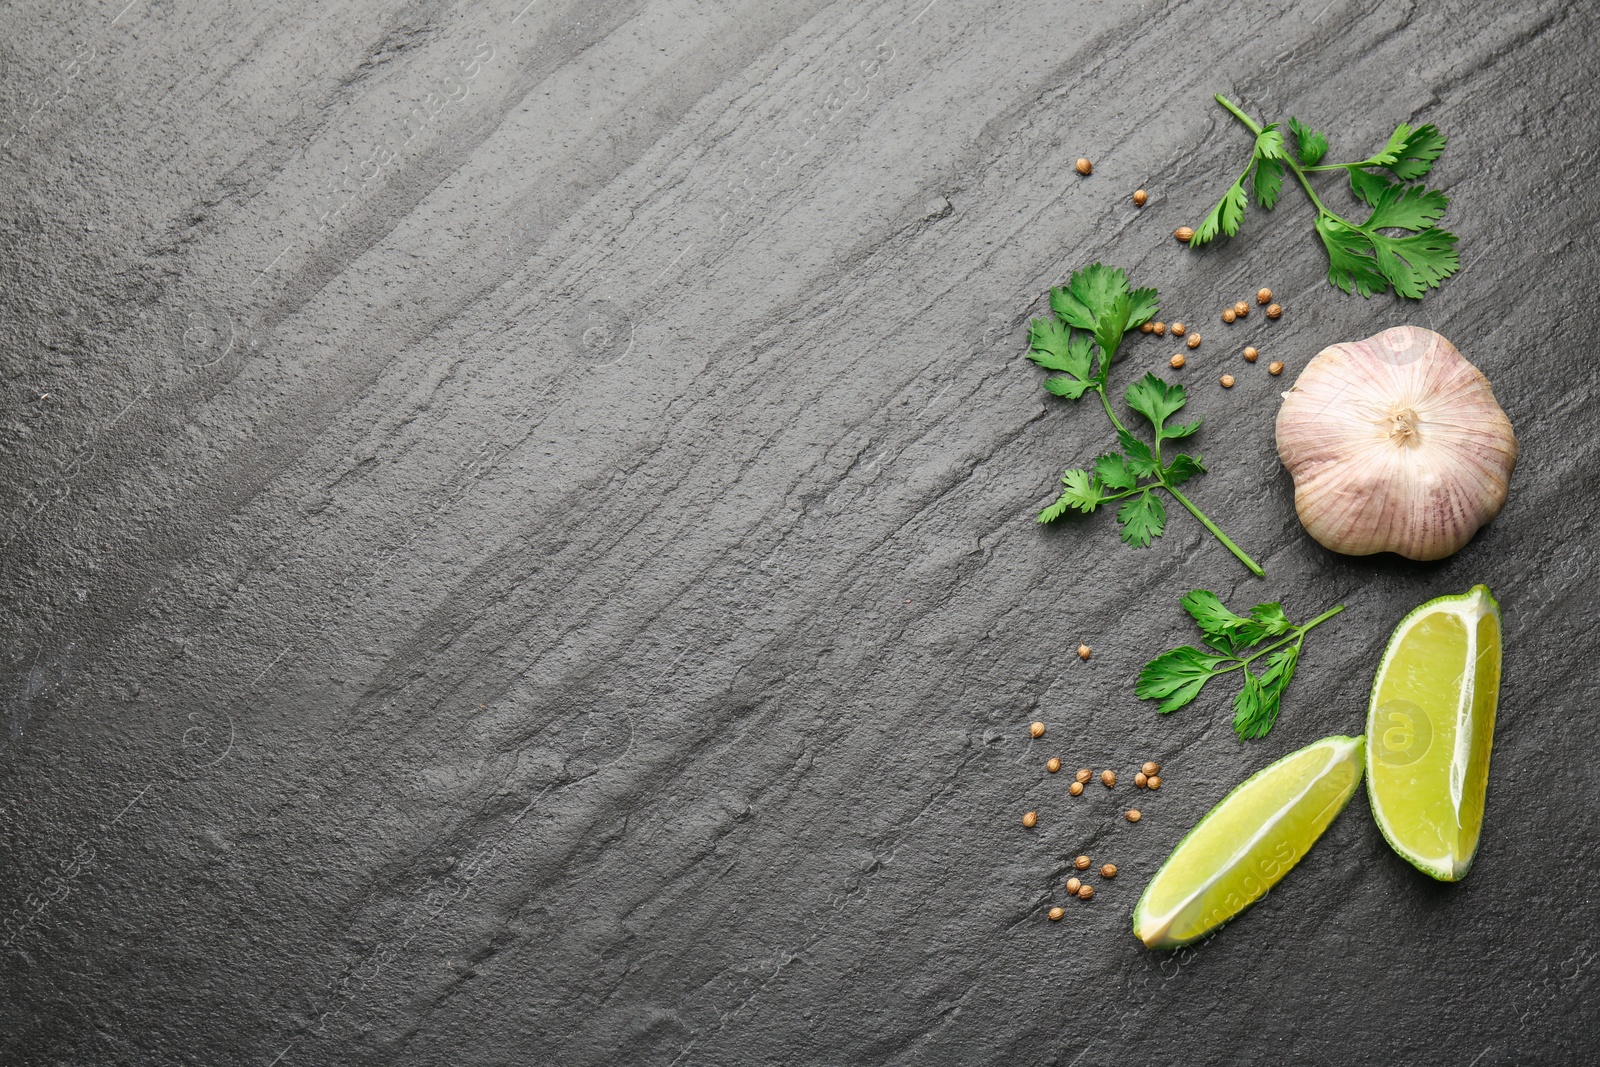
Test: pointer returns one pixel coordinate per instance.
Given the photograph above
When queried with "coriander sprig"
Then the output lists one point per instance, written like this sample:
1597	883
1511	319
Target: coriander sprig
1176	677
1361	256
1089	317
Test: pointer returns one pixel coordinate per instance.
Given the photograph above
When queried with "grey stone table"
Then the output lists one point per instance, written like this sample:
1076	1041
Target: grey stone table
518	538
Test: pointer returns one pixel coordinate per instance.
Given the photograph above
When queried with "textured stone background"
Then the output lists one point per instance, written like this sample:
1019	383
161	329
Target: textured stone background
518	545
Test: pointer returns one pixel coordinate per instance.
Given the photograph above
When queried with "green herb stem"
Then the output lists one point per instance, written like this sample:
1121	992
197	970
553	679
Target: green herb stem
1297	635
1255	568
1288	160
1254	126
1105	403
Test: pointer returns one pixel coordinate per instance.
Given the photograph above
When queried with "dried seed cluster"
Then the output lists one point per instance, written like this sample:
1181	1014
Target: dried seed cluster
1146	776
1231	314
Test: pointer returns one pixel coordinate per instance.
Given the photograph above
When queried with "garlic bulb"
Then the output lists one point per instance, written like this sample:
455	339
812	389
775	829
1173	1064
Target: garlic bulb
1396	444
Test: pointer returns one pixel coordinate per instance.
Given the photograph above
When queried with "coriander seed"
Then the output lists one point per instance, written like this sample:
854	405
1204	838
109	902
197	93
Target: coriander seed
1072	886
1109	870
1264	296
1241	309
1083	652
1193	341
1108	778
1084	774
1227	381
1140	779
1250	355
1228	315
1274	368
1076	789
1030	819
1155	781
1084	166
1133	815
1056	913
1086	892
1053	764
1274	310
1082	863
1178	328
1148	327
1177	361
1036	730
1183	233
1152	767
1140	197
1159	329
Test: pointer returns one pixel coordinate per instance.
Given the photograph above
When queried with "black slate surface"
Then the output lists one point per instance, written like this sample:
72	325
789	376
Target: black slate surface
518	545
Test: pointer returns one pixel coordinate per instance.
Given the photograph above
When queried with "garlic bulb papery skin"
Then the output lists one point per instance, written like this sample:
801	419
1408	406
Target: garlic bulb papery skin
1396	444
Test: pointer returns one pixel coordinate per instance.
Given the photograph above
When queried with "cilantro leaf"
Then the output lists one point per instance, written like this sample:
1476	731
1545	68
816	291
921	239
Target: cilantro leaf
1155	400
1224	218
1252	707
1280	668
1310	145
1271	619
1351	266
1392	150
1143	306
1269	143
1071	388
1138	455
1182	429
1416	263
1368	187
1112	472
1268	182
1176	677
1111	322
1406	207
1143	518
1098	287
1071	310
1054	511
1054	347
1082	493
1416	153
1219	625
1182	468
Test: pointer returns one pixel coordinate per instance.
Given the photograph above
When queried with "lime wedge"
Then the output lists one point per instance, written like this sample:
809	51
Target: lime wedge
1247	842
1430	725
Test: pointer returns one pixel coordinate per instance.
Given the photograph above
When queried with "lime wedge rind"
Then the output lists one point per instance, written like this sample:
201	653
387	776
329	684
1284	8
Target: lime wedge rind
1471	608
1172	911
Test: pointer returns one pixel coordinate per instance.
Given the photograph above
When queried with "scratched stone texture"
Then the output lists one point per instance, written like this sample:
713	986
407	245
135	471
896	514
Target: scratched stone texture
518	545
